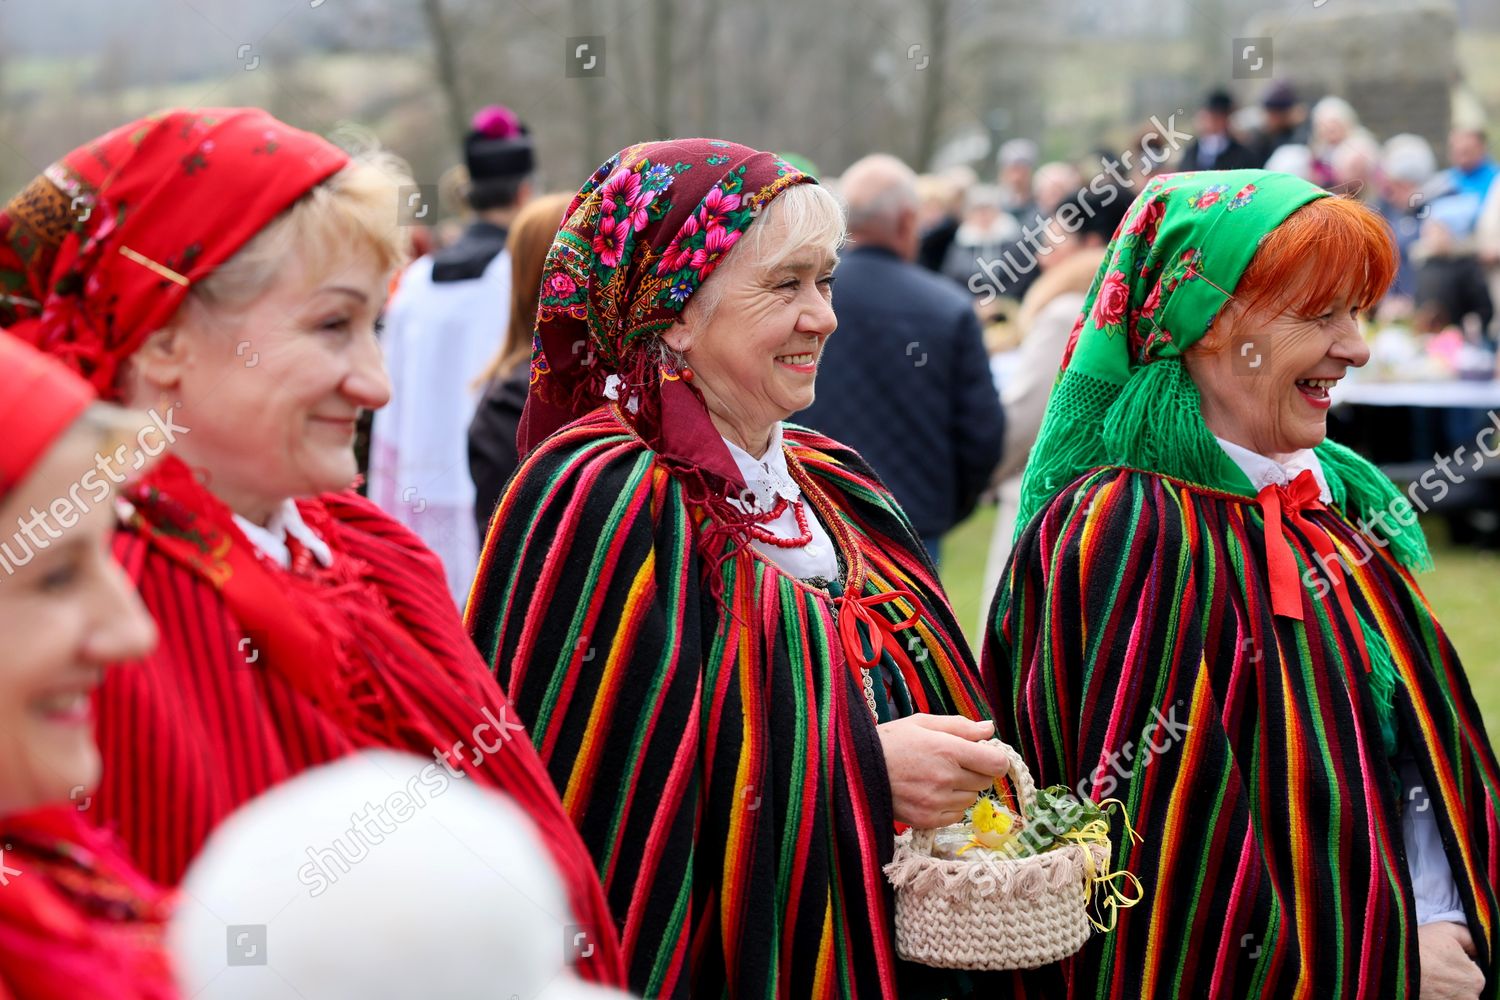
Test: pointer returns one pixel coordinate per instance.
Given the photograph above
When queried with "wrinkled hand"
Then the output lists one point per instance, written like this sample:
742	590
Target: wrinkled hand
1446	954
938	764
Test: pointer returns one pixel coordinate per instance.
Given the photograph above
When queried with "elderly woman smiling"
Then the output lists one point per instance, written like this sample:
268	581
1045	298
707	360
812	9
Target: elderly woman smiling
732	650
1210	614
228	272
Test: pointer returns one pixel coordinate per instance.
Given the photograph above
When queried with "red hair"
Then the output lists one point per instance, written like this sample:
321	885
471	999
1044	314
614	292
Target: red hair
1329	249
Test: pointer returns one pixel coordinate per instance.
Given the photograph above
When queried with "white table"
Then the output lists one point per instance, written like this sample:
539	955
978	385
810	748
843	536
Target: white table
1456	393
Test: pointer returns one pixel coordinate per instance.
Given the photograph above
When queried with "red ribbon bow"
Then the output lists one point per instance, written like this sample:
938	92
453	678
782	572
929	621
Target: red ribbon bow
857	611
1292	503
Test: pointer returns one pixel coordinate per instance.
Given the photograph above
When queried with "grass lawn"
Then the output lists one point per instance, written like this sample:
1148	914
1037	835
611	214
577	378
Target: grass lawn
1464	591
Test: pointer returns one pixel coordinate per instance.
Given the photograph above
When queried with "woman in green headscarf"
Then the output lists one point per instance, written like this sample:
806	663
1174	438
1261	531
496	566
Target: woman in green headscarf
1210	615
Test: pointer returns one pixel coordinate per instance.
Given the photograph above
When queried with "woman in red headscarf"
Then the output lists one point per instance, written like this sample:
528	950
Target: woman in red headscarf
75	919
225	271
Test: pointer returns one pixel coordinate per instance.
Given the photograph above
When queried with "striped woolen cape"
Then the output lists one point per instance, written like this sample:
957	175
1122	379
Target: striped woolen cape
715	751
1133	653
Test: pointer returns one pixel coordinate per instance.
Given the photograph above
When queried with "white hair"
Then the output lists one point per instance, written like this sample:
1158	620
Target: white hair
811	216
1409	158
1292	158
1335	108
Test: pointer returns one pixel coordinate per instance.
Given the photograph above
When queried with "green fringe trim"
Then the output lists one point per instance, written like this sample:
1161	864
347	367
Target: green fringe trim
1154	422
1365	492
1157	423
1069	442
1382	685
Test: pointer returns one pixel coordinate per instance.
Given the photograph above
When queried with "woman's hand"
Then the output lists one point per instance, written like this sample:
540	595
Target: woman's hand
938	765
1446	954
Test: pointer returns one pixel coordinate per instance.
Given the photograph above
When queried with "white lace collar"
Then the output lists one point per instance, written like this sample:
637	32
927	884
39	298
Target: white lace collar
1263	471
766	478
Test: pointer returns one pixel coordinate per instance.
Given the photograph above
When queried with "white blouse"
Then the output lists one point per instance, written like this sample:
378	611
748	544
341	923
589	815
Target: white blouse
271	539
1432	883
766	479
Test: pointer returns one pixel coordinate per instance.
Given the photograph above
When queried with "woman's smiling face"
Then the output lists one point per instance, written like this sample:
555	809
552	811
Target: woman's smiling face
755	353
1290	329
67	611
272	390
1264	375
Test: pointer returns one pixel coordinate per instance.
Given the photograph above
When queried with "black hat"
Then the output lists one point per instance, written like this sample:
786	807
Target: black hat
498	147
1279	96
1219	102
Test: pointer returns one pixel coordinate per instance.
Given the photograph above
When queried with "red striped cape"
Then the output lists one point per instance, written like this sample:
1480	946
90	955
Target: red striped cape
211	719
723	768
1133	653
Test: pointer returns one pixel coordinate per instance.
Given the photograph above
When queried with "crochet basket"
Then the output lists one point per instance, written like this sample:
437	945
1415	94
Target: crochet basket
988	911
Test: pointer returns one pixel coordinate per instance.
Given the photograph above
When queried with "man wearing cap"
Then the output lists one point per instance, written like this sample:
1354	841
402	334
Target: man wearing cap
1215	147
1284	122
445	321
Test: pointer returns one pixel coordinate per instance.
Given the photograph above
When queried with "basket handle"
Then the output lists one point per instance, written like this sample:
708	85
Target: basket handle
1020	775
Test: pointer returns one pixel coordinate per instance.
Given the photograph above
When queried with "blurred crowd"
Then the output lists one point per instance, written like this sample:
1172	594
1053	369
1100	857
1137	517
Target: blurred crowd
1446	220
1021	242
390	624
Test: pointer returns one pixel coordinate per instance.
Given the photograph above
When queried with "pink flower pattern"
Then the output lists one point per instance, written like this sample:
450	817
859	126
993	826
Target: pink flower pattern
716	244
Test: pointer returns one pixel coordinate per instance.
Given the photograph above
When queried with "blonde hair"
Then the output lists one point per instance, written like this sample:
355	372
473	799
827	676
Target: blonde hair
355	207
531	235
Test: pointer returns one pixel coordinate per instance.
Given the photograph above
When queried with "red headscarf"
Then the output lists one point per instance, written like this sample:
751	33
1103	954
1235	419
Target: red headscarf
97	254
637	242
75	919
99	251
40	401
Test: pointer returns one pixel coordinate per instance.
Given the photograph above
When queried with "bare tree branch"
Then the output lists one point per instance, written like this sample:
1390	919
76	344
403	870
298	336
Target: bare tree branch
445	57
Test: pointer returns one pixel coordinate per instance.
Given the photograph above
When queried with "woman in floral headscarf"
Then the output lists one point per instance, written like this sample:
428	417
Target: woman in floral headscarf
1210	615
226	270
732	650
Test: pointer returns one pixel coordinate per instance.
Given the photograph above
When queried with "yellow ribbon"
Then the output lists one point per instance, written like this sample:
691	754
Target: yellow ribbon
1101	886
1112	898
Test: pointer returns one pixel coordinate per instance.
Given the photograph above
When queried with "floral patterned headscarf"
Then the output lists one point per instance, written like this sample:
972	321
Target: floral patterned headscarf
638	241
1173	263
1123	397
100	250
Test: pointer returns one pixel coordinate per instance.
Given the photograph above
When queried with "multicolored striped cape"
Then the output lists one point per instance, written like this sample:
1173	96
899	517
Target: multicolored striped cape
1133	654
724	768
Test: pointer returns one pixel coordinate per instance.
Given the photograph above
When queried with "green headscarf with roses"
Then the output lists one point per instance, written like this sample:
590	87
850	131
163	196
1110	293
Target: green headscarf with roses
1124	397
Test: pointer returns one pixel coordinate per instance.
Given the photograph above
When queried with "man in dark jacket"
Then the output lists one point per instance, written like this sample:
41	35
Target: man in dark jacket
1284	122
1215	147
906	381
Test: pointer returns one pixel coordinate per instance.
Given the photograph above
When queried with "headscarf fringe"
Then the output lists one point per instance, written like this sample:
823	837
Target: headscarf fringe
1369	495
1157	423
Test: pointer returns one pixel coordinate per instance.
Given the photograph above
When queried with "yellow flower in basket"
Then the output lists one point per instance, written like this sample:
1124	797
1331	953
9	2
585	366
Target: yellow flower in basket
1040	885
